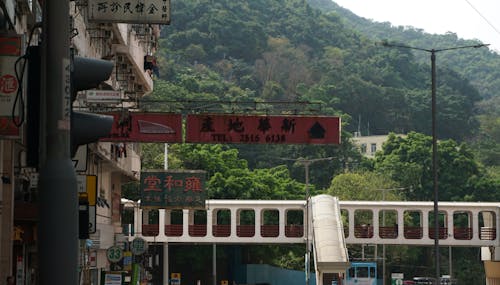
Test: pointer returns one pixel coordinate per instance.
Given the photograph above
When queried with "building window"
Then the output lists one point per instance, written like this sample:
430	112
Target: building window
363	148
373	147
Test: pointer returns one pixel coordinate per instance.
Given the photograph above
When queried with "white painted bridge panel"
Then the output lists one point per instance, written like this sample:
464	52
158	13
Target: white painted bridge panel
283	222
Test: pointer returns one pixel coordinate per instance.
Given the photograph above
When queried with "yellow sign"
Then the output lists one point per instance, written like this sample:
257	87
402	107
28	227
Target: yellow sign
17	233
175	278
127	260
87	188
92	189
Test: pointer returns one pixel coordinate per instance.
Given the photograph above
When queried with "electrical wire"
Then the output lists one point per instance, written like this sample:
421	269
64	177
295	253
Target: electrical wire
19	97
20	77
484	18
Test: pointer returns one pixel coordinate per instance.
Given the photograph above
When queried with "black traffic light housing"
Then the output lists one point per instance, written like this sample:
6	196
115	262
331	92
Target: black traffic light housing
33	106
83	217
86	128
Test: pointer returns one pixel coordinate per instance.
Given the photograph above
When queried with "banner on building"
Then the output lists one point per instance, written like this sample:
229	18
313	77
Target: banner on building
10	50
130	11
248	129
173	189
146	127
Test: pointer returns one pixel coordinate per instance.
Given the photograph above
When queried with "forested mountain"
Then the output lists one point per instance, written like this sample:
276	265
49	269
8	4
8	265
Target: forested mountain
289	51
481	68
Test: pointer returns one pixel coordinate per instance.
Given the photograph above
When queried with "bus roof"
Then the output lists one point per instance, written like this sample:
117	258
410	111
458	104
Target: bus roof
363	264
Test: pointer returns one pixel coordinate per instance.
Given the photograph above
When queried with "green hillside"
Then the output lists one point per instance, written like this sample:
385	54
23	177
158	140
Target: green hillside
287	51
480	68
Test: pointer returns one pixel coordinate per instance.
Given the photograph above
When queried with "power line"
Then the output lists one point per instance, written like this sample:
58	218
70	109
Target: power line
484	18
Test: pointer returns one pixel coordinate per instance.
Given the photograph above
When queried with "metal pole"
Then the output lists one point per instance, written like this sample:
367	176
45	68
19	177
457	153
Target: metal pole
434	138
58	228
434	165
308	253
214	264
166	272
383	245
450	255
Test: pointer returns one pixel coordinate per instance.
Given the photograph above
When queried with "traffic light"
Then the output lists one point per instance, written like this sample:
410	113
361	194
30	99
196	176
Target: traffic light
33	106
83	217
86	128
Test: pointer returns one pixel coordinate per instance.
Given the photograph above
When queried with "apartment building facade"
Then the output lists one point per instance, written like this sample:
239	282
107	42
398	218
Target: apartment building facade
131	48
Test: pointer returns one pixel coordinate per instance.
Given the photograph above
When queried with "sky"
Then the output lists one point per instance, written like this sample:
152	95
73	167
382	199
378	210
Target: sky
469	19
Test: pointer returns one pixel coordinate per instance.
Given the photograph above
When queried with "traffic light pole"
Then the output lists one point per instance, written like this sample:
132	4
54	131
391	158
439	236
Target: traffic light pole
58	228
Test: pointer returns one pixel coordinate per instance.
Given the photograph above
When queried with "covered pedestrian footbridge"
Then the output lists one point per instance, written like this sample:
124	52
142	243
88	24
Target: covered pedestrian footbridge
326	225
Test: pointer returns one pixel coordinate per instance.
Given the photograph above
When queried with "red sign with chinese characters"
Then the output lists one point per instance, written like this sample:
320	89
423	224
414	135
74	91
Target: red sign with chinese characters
216	128
10	50
146	127
173	189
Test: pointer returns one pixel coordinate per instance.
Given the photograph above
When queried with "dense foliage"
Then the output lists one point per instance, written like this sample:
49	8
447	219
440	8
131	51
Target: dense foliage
286	57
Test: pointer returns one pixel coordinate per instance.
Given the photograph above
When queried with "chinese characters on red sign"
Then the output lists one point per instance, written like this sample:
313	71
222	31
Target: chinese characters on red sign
10	50
214	128
173	189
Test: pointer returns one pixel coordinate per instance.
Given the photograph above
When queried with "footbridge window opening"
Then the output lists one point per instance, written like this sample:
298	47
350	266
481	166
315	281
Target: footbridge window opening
294	223
222	222
344	215
127	217
363	223
413	228
270	223
150	218
462	225
487	225
388	228
174	222
197	223
442	222
245	219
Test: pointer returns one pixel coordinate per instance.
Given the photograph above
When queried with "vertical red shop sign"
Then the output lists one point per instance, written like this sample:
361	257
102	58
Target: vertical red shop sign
217	128
10	50
173	188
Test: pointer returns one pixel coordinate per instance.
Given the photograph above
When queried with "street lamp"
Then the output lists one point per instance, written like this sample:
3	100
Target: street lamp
306	163
434	137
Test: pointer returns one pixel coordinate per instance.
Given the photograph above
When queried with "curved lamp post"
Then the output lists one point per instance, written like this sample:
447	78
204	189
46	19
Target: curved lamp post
434	136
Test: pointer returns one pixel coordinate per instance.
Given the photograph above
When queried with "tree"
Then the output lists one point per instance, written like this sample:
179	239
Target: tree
368	186
408	161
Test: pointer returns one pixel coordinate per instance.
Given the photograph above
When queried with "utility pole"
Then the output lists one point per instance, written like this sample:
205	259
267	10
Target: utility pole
434	138
306	163
58	228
